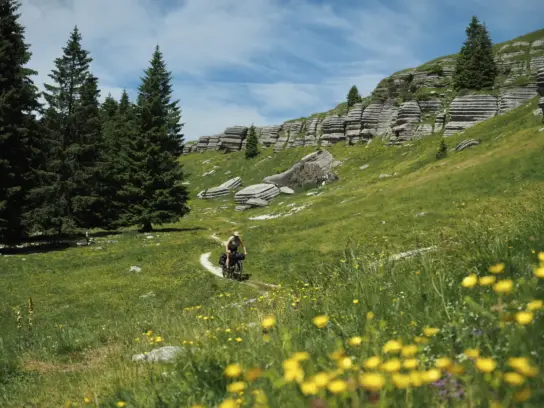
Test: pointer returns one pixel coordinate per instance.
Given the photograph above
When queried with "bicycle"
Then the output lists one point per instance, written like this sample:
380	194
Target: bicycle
234	271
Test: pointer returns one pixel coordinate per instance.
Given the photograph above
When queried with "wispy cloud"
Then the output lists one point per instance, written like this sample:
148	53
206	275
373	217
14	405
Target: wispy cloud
256	61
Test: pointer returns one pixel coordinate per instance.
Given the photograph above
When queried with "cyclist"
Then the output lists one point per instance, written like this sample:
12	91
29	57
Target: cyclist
232	245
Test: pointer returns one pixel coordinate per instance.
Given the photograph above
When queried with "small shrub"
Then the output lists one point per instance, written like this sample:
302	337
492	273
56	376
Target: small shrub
442	150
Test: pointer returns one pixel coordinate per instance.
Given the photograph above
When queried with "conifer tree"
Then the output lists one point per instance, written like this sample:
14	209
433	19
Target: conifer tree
442	150
475	66
252	147
157	194
72	130
19	143
353	96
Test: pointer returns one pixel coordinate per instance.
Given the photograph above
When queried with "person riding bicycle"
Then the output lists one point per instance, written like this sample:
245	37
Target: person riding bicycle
232	245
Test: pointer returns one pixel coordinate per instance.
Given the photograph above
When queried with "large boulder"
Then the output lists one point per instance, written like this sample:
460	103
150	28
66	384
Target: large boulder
313	168
222	190
262	191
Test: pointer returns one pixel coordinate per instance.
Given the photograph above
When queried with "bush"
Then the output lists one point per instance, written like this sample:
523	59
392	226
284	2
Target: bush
442	150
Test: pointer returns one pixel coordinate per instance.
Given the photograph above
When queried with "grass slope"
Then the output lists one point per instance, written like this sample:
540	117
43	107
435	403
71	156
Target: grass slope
481	206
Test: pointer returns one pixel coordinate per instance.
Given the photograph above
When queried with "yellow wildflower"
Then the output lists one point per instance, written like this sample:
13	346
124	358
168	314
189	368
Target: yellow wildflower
345	363
495	404
469	281
498	268
522	395
430	331
252	374
293	371
372	362
443	362
337	386
392	346
539	272
503	286
524	317
321	379
409	350
233	370
485	365
121	404
301	356
514	378
487	280
401	380
320	321
229	403
456	369
268	322
236	387
355	301
372	381
421	340
541	256
87	400
534	305
416	378
158	339
431	375
523	366
410	363
309	388
355	341
391	365
238	339
472	353
370	315
149	333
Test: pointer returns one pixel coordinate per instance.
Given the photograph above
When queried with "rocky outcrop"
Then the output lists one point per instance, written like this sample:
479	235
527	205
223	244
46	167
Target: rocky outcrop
313	168
540	87
409	104
466	111
232	138
262	191
465	144
222	190
511	98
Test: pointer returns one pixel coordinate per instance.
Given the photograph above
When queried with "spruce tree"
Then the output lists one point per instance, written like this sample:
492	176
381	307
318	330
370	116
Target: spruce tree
252	147
72	130
475	66
158	195
353	96
442	150
19	143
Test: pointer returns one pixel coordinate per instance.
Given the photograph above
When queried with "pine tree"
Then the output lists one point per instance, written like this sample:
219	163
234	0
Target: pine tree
475	66
19	143
252	147
158	193
353	96
72	130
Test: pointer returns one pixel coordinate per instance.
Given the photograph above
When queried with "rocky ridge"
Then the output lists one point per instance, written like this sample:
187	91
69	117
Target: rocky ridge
409	104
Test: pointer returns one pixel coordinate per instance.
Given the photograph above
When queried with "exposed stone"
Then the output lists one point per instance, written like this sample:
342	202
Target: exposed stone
512	98
439	122
423	130
222	190
242	207
286	190
466	144
293	176
264	191
387	118
202	145
353	124
311	136
135	269
164	354
270	134
333	130
466	111
364	166
430	106
371	116
256	202
232	138
540	87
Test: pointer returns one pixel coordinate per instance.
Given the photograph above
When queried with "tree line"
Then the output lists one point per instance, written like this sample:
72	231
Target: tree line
71	163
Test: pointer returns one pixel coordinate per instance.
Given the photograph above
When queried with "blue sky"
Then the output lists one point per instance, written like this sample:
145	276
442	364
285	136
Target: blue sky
237	62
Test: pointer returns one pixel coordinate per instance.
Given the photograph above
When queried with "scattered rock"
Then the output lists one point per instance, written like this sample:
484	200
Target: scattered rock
147	295
257	202
286	190
364	166
465	144
135	269
541	130
420	214
222	190
383	175
242	207
263	191
164	354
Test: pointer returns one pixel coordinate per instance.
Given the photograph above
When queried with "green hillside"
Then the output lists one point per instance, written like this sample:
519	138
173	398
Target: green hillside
479	207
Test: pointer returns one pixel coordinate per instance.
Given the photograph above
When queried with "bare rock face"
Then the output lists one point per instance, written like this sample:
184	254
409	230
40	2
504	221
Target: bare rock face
430	106
371	116
387	118
232	138
213	143
511	98
466	111
262	191
333	130
313	128
439	122
540	87
270	134
313	168
353	124
202	144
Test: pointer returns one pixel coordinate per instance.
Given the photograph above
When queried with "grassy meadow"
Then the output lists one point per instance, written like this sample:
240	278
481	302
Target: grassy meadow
346	326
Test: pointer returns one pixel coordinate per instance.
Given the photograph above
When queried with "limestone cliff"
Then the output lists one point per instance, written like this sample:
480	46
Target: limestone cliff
409	104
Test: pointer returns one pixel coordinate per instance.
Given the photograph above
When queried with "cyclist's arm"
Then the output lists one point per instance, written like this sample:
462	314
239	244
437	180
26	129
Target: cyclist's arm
243	246
227	245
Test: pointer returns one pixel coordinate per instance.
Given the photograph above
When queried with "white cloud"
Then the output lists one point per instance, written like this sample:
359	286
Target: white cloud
237	61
